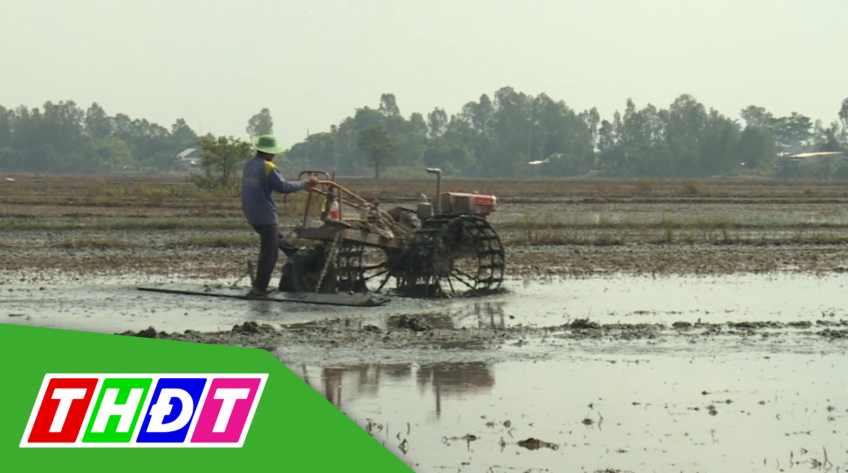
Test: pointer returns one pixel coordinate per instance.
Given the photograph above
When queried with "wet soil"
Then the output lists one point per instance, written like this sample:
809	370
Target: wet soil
587	395
56	228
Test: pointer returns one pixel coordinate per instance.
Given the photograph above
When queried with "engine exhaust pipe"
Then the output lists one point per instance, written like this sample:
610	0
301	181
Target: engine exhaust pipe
437	203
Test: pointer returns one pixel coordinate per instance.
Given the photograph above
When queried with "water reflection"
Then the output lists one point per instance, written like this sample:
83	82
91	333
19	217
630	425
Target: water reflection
484	314
455	380
261	310
693	412
464	314
445	381
437	314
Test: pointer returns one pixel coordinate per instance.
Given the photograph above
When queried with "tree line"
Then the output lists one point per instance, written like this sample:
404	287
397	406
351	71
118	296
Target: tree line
500	136
64	138
492	137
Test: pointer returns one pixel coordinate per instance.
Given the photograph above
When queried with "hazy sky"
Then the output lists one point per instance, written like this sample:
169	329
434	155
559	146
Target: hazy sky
312	62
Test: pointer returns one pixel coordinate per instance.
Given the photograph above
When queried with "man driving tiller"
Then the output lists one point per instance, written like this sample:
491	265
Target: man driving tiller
260	179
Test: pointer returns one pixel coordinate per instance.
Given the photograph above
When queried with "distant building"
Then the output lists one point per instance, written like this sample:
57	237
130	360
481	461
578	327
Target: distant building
189	157
810	159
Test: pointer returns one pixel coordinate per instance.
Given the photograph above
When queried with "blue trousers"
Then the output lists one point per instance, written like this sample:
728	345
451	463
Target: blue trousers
271	242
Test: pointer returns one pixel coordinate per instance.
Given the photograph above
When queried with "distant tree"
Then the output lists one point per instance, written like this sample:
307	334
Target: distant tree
490	137
9	159
122	127
593	121
111	155
182	135
793	133
388	105
758	117
261	123
718	145
98	125
379	146
826	138
320	150
843	117
219	159
684	132
607	138
756	148
8	154
437	123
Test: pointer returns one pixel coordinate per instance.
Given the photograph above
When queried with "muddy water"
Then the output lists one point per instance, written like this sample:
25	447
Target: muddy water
689	411
118	308
508	368
629	299
112	308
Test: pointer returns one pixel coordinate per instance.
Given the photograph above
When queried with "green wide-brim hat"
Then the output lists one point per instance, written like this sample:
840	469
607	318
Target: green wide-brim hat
267	144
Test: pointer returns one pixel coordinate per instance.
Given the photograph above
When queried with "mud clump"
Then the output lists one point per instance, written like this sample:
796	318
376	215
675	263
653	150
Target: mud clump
744	325
411	323
536	444
834	334
584	324
832	323
801	324
149	332
252	328
634	331
406	332
582	329
754	325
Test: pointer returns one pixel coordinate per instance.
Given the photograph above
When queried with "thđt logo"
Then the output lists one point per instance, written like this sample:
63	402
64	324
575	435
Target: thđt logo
144	410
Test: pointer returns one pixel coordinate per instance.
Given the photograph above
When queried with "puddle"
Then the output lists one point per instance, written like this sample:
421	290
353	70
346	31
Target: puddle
687	412
633	299
116	309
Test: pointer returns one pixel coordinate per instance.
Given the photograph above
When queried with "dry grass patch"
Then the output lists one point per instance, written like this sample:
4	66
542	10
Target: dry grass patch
693	187
224	241
93	244
645	186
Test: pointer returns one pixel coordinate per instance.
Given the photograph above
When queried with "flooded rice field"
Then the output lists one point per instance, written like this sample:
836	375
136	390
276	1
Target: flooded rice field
643	327
689	410
622	373
525	304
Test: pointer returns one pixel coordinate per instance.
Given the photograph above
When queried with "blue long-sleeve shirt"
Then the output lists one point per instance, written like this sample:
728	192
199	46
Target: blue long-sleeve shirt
259	180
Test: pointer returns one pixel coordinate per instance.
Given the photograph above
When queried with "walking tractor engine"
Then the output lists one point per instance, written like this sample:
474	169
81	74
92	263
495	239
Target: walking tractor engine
442	248
473	204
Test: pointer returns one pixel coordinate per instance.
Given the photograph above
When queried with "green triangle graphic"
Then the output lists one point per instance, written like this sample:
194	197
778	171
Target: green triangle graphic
294	428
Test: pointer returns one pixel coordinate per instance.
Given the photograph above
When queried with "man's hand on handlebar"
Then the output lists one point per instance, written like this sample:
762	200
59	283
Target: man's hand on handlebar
311	181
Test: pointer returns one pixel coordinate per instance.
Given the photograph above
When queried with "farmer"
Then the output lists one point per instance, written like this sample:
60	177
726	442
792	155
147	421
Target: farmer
260	178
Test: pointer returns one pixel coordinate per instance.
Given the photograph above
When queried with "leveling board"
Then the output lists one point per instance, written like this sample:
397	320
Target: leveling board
359	300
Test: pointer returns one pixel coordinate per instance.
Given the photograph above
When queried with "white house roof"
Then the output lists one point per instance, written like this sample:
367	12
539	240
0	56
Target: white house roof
814	155
186	153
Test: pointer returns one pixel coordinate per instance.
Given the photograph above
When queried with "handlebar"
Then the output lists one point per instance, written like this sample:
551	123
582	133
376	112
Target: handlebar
313	173
343	196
